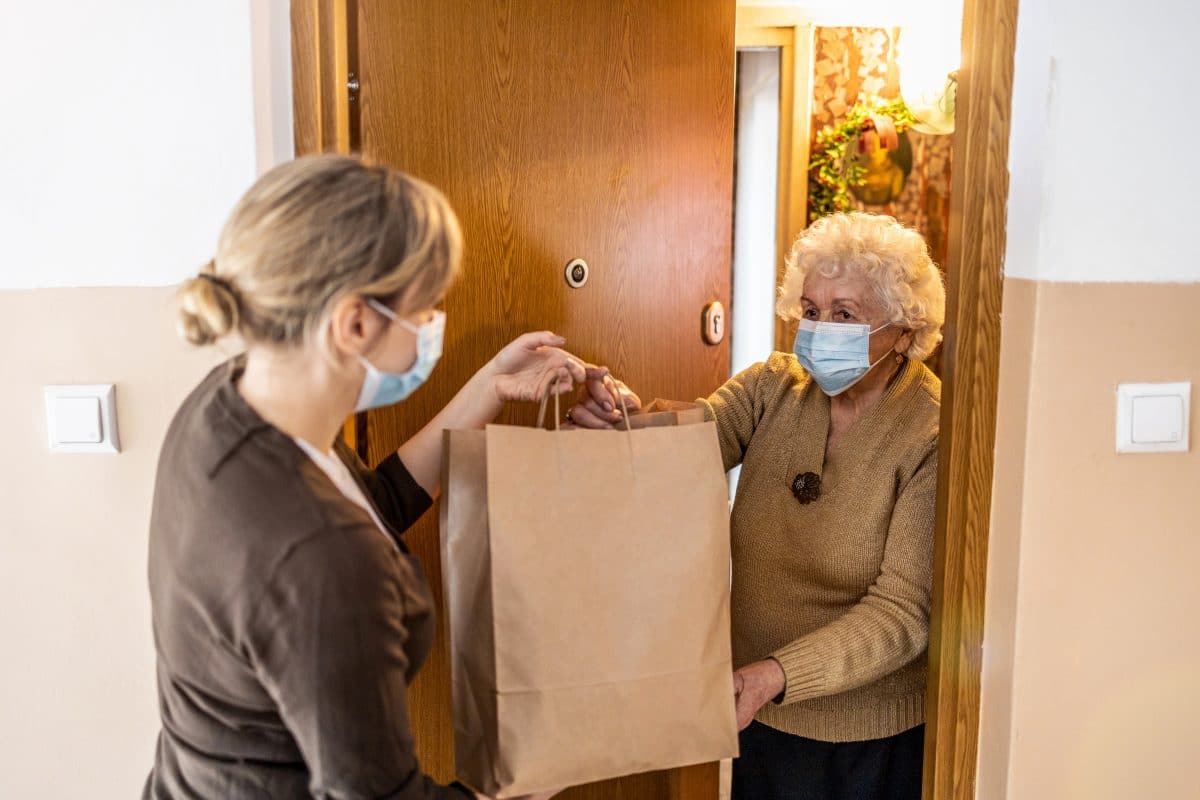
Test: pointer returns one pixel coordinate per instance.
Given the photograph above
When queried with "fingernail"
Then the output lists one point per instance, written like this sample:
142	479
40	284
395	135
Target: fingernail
608	406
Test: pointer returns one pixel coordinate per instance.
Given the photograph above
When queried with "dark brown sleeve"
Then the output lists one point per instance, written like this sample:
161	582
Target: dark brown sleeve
328	642
396	493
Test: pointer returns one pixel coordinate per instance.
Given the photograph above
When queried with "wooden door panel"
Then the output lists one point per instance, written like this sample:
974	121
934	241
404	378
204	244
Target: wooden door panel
560	129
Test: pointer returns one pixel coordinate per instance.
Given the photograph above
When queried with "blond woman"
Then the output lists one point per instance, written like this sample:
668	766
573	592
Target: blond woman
289	617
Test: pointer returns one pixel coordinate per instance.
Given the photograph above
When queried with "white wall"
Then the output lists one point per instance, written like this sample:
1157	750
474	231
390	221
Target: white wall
128	135
1105	185
130	129
754	208
272	51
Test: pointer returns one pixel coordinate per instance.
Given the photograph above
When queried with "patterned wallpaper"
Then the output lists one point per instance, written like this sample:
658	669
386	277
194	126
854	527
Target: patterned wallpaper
851	64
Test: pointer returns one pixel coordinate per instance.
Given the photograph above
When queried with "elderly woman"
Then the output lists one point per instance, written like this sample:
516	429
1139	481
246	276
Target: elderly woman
834	518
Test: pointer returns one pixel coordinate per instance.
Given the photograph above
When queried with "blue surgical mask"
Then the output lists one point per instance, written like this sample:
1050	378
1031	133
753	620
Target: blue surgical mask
836	354
381	388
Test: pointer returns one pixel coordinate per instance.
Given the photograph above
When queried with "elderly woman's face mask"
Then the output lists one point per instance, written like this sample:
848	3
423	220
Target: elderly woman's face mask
836	354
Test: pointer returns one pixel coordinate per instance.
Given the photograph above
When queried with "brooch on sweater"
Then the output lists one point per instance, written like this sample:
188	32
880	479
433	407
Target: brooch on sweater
806	487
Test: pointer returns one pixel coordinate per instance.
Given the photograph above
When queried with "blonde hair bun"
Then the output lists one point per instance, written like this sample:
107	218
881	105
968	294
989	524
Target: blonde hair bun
208	309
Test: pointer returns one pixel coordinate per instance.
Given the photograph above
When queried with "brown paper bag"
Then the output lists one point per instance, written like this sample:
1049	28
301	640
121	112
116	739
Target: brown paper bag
662	413
587	585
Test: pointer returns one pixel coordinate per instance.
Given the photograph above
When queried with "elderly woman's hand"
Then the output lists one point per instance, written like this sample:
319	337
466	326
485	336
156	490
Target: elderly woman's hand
533	366
754	686
600	401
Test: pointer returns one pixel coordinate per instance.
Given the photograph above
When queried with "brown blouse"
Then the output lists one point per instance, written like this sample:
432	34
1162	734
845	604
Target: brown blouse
287	625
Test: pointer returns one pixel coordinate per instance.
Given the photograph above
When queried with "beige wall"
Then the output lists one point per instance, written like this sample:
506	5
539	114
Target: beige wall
1092	652
77	695
1008	486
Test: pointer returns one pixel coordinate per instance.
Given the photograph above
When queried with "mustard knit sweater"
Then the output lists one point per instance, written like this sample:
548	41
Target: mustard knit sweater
836	590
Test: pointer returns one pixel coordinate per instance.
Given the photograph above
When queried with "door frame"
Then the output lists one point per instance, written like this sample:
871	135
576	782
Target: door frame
323	58
971	350
783	28
971	378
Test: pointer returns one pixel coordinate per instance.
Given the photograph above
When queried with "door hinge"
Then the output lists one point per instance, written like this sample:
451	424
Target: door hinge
352	86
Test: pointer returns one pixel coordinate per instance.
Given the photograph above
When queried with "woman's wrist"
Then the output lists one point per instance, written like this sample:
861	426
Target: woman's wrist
779	680
483	396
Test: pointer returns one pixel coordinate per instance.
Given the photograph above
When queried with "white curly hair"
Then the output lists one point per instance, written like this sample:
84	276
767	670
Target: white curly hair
892	257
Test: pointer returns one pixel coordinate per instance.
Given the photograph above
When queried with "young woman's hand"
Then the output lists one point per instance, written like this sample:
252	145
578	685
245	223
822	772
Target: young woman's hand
533	366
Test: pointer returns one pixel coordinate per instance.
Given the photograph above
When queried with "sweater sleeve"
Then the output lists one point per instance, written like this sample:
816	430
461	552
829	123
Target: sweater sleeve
889	627
737	409
328	644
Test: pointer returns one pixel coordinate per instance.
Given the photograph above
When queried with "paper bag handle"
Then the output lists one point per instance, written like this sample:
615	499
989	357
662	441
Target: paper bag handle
624	411
541	419
542	409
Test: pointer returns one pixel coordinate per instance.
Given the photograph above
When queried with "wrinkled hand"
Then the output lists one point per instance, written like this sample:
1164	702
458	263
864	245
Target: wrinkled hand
599	402
755	685
534	366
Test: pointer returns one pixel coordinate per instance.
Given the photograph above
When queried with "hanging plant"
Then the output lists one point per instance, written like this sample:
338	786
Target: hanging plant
831	173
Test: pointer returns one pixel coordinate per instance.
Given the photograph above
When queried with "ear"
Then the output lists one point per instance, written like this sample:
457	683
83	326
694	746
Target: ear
904	342
354	326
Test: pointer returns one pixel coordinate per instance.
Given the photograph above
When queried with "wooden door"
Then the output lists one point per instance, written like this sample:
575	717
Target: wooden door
559	129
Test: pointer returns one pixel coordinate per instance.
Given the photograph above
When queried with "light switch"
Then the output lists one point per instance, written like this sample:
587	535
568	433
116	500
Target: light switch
77	420
1157	419
82	419
1153	417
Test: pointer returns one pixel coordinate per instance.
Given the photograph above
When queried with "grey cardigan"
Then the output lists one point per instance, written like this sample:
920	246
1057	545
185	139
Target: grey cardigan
287	626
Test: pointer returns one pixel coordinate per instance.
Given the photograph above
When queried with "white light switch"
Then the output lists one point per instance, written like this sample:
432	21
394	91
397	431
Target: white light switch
82	419
1153	417
77	420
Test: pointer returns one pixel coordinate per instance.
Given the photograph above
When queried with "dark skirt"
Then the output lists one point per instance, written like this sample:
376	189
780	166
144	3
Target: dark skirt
780	766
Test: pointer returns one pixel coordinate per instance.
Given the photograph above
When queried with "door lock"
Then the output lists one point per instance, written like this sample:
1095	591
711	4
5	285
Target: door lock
713	320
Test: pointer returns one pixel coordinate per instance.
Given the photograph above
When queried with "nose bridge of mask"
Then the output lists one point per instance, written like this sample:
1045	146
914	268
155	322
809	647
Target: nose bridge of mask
835	342
842	328
840	337
838	328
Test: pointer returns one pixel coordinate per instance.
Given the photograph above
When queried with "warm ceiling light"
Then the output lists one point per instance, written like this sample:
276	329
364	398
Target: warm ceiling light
928	60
